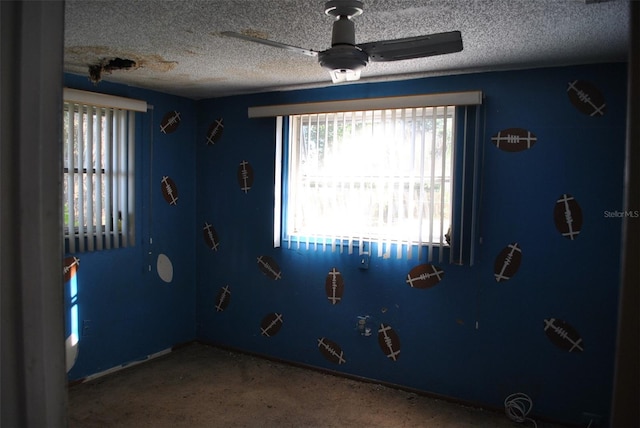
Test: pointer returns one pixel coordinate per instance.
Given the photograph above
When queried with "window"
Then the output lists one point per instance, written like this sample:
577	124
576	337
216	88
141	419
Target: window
98	172
392	181
376	175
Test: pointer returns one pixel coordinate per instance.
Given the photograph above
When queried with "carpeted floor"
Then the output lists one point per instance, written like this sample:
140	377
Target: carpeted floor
203	386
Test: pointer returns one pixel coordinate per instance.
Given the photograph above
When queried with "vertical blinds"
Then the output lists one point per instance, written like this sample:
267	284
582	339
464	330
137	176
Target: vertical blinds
434	200
382	176
99	173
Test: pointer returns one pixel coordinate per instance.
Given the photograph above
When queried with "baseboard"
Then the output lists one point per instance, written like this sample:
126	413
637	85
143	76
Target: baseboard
128	364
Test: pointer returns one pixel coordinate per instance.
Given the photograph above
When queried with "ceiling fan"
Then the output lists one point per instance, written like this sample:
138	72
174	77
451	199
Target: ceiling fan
345	59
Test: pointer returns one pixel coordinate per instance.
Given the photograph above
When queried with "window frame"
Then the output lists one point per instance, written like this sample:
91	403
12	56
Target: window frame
467	165
374	121
121	233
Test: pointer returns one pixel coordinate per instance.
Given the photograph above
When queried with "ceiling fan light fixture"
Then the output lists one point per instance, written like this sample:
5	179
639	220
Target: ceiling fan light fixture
344	75
344	63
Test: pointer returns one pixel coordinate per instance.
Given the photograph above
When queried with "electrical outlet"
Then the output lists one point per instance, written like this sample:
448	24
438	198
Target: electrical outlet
592	420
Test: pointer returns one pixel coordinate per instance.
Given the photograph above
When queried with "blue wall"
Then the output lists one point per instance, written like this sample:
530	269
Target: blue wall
469	337
125	311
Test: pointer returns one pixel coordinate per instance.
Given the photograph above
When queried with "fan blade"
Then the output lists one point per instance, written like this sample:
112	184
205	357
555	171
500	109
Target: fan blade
413	47
303	51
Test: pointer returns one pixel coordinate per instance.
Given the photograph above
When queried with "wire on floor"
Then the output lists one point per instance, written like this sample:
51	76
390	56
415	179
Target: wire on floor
517	406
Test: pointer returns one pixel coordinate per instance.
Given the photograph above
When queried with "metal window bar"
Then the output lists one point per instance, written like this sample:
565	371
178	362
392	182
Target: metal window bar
82	170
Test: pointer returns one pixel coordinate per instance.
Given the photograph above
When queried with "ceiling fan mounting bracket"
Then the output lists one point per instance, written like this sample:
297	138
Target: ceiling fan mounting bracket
348	8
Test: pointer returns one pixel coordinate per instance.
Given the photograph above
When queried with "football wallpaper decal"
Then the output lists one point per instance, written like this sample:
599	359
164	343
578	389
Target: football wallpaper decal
507	262
514	140
331	351
567	216
271	324
215	132
210	236
587	98
245	176
170	122
563	335
424	276
334	286
269	267
169	190
223	298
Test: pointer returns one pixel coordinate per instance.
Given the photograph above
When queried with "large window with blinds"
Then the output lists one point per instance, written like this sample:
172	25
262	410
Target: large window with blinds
395	176
98	176
383	176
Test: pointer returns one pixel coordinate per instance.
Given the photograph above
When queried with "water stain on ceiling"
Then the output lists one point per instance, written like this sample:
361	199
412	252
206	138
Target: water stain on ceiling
98	60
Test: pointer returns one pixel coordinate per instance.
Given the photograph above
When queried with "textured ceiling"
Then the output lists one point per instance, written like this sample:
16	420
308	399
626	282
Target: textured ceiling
178	48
